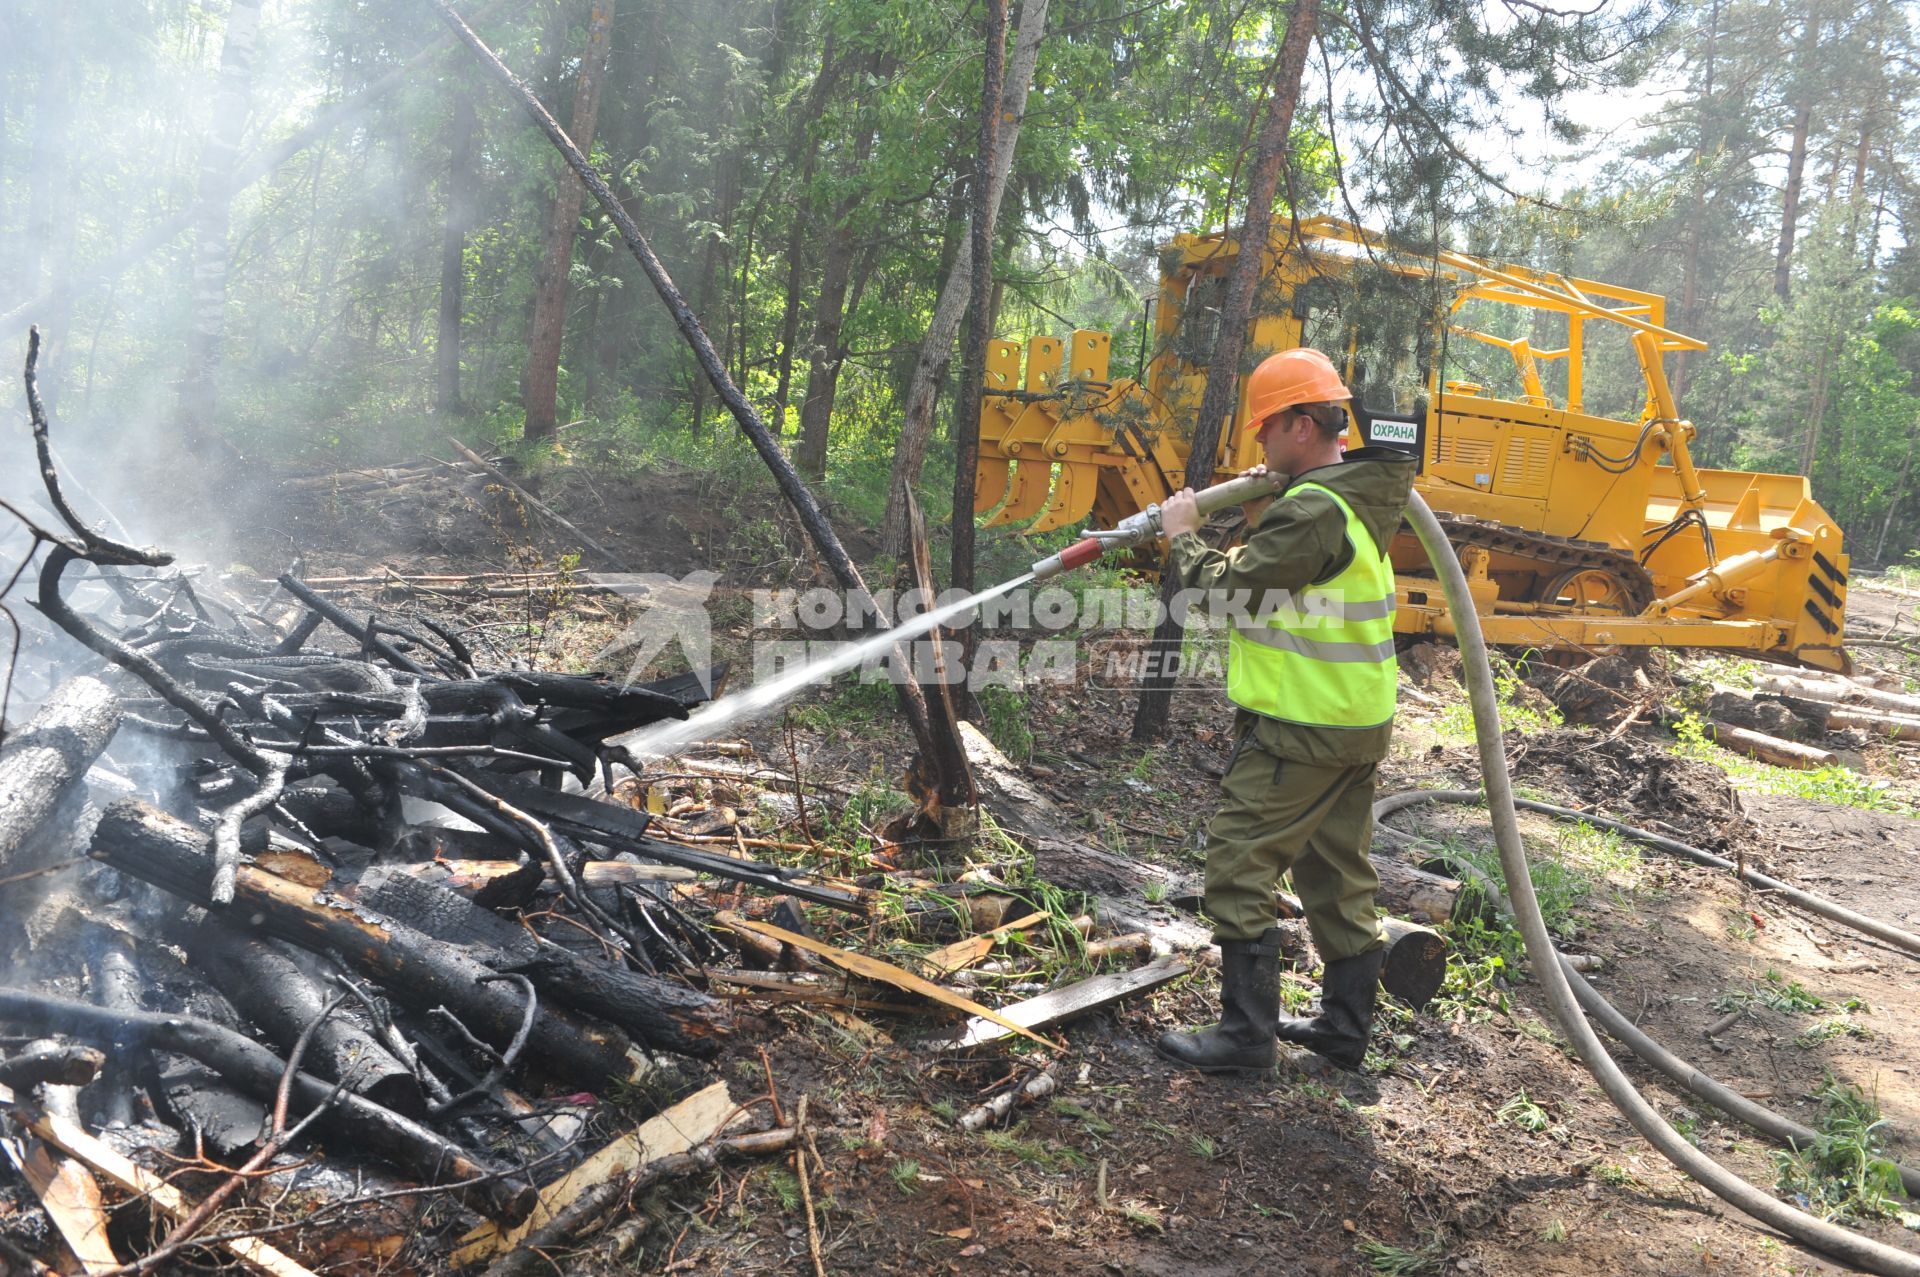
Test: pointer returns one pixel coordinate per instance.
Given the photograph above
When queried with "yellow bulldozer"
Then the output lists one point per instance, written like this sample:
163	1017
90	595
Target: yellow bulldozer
1580	531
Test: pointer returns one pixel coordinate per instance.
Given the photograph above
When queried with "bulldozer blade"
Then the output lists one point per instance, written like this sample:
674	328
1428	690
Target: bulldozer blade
1032	480
990	482
1073	494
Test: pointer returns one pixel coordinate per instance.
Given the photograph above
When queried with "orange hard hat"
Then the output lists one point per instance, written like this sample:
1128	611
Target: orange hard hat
1290	377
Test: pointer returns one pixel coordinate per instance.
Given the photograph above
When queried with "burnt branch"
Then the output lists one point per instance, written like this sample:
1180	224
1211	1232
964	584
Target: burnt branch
503	1062
98	549
226	830
140	665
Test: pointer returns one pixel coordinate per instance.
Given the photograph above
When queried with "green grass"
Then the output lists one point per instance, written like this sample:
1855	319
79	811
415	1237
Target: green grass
1616	1176
906	1176
1839	786
786	1186
1522	1112
1396	1261
1472	991
1007	724
854	824
1845	1175
1829	1028
1456	720
1094	1123
1774	991
1559	884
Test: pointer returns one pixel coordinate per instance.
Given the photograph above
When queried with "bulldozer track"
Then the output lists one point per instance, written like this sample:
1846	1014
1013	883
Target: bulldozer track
1555	555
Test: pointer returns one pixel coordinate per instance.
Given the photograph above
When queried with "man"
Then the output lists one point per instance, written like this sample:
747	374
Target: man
1312	671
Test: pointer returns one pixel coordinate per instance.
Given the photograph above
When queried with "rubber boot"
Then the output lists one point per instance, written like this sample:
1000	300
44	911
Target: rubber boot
1249	1002
1340	1031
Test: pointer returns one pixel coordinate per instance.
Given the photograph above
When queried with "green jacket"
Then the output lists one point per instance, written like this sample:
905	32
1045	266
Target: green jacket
1300	540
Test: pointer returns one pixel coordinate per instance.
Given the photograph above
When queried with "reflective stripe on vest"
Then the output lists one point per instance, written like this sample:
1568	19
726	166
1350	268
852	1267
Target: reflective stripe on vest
1327	659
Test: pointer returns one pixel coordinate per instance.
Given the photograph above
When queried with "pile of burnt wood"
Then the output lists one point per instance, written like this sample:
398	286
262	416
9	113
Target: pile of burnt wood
384	860
273	873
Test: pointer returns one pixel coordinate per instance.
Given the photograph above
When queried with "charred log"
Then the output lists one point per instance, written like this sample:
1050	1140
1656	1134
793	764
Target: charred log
496	1193
415	969
665	1015
271	989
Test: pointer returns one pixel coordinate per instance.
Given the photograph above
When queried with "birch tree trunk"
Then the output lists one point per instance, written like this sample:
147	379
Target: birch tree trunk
1223	370
916	430
540	388
219	157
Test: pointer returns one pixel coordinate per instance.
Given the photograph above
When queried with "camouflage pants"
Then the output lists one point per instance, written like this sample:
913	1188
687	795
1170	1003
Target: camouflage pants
1281	815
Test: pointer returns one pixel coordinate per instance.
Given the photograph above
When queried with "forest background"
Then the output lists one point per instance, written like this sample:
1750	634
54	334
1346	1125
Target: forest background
312	231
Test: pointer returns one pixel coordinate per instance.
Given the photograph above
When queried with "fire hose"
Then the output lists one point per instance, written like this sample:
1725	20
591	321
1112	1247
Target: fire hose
1828	1239
1555	979
1722	1097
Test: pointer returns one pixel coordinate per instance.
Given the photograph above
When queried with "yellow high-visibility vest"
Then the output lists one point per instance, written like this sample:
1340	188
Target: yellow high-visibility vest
1323	658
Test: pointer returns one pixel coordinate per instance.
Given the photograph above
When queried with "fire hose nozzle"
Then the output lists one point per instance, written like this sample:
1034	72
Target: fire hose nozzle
1137	529
1079	554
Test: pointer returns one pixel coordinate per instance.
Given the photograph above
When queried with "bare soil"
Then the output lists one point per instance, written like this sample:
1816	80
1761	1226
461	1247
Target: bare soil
1136	1167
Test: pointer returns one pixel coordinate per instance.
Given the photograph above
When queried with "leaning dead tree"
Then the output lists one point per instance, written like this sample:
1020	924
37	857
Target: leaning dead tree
935	733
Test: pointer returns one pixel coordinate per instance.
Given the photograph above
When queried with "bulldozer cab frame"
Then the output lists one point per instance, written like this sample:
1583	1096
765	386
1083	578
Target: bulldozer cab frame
1581	531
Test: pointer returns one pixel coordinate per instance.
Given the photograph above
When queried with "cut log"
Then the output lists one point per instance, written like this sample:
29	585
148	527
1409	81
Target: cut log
1416	963
1771	749
266	984
1899	727
198	1100
1057	1006
417	970
257	1070
115	982
1414	894
43	760
1137	945
1836	691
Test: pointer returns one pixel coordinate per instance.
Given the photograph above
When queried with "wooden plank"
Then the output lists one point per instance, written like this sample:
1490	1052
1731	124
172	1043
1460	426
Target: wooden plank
71	1196
962	954
1060	1005
885	972
694	1120
134	1178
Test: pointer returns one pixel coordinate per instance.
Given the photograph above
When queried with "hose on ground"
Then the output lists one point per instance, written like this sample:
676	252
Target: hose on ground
1617	1025
1828	1239
1825	908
